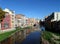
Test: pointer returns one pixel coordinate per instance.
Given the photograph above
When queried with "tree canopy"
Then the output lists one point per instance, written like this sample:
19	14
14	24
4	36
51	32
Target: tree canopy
2	14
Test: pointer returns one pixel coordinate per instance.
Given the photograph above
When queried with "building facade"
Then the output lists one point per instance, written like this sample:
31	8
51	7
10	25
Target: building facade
52	22
8	22
20	20
56	16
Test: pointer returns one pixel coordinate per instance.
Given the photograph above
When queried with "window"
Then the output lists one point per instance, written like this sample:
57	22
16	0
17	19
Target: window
12	21
12	15
6	25
12	18
57	17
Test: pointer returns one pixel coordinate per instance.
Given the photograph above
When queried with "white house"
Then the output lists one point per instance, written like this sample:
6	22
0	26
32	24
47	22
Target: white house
56	16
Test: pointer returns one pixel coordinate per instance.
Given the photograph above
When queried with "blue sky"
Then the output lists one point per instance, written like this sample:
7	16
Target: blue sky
32	8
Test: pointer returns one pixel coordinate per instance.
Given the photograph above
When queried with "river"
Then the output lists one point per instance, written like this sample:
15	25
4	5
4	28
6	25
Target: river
32	38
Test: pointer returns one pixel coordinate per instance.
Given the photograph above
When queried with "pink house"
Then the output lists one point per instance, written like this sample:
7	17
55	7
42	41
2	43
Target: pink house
6	23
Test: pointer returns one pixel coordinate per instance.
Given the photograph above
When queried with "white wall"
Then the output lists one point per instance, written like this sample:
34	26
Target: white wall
57	16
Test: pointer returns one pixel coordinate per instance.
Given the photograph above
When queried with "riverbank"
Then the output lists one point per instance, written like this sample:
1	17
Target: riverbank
50	38
9	33
16	36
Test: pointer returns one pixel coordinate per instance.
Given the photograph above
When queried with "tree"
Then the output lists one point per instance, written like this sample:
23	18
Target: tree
2	15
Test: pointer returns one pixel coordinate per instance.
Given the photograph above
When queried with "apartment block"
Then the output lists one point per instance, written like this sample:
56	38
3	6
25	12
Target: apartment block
20	20
8	22
52	22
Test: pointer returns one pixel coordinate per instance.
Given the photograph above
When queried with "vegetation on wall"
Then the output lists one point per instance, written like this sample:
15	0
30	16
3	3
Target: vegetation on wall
2	14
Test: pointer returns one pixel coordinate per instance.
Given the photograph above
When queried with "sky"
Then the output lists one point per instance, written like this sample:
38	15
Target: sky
32	8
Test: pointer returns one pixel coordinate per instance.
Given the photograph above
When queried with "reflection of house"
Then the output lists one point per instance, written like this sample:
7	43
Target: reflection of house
9	20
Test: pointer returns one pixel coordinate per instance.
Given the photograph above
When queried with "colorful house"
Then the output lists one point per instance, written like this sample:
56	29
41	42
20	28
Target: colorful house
8	22
20	20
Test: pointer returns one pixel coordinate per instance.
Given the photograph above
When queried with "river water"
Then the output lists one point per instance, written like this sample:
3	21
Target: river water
32	38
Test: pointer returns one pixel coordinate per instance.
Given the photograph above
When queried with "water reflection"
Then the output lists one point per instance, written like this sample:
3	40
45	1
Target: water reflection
32	38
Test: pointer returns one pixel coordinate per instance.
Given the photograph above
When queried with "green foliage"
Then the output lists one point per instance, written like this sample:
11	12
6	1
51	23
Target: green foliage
57	34
28	27
47	35
5	35
2	14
